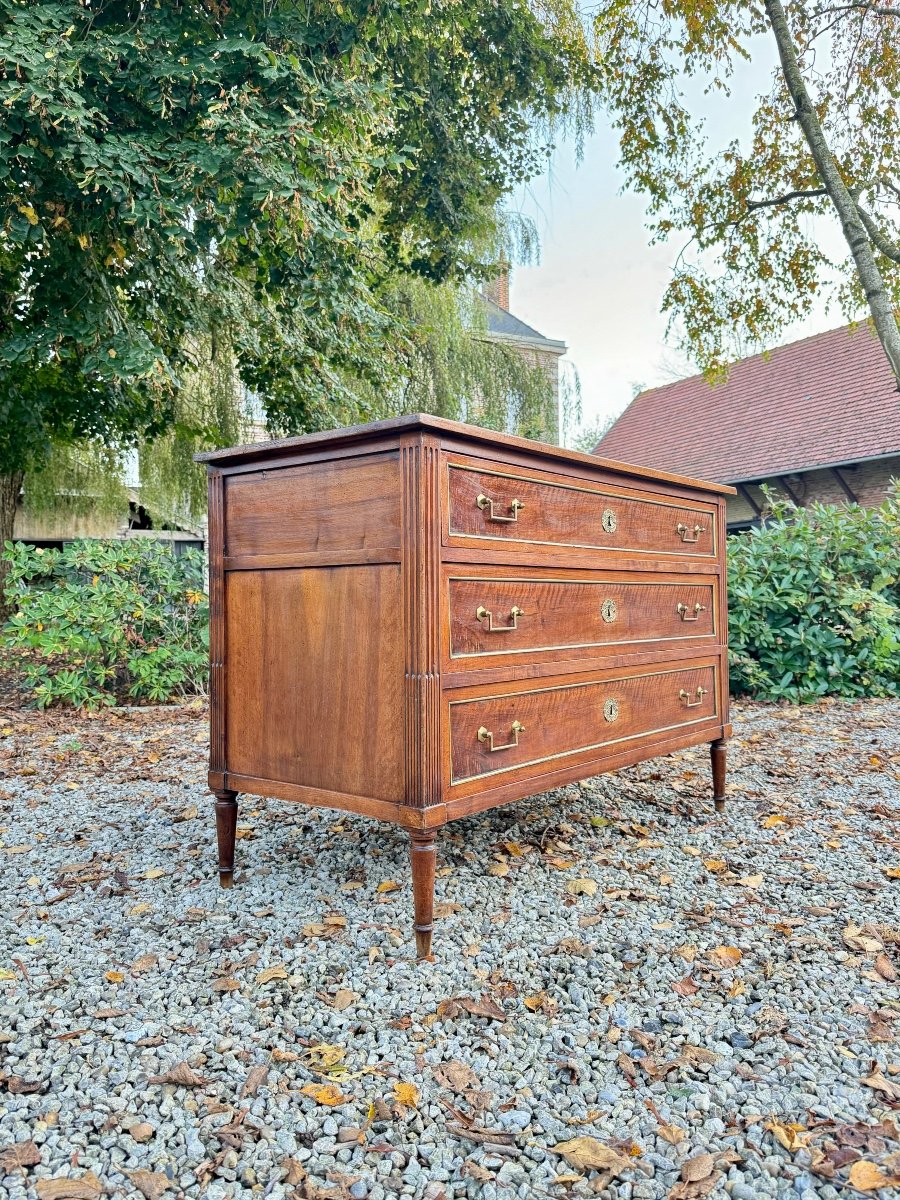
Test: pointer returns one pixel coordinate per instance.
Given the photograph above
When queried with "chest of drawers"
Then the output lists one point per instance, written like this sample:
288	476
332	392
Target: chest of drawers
418	620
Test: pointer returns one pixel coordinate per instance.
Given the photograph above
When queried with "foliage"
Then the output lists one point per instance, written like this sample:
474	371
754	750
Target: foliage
106	621
824	143
814	602
171	173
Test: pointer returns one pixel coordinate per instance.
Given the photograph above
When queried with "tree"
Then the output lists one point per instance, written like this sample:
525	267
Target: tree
184	174
825	143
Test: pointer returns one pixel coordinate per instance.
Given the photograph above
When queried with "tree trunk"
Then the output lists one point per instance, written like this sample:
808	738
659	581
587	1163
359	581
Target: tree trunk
854	231
10	486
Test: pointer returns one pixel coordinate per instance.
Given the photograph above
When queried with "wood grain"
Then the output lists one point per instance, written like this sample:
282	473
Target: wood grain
338	506
563	719
314	684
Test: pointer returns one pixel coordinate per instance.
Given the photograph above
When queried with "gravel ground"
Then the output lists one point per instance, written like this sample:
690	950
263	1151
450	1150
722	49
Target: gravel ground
632	997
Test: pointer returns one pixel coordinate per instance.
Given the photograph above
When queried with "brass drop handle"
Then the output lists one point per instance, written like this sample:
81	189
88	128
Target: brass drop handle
683	610
514	613
689	533
486	503
686	697
485	735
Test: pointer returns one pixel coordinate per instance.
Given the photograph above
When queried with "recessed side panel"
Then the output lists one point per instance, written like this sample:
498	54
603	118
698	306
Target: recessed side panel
337	507
314	681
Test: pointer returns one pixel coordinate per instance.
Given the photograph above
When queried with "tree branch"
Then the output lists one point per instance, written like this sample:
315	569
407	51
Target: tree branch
888	248
754	204
876	10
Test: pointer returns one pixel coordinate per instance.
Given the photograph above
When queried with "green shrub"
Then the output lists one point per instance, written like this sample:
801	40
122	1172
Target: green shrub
102	622
814	602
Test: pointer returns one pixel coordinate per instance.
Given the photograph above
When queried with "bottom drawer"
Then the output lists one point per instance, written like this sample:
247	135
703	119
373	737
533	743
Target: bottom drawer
524	727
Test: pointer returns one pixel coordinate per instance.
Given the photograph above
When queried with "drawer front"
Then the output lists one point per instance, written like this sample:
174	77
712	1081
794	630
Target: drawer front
494	615
539	727
496	506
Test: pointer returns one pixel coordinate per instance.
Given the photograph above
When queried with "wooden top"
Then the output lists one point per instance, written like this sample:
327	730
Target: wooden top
267	451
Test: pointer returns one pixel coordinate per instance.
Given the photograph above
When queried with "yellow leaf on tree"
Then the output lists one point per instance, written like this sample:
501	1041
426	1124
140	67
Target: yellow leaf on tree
325	1093
406	1094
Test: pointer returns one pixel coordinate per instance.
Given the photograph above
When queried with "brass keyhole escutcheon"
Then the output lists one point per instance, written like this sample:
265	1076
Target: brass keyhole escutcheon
610	710
609	521
609	610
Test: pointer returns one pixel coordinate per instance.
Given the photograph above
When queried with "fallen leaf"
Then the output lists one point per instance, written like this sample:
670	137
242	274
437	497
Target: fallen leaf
88	1187
726	956
541	1002
114	977
278	971
498	869
343	998
868	1177
715	865
879	1082
673	1134
227	984
456	1075
699	1167
485	1007
187	814
582	887
151	1184
773	820
587	1154
686	986
406	1094
863	938
389	885
22	1154
153	873
751	881
138	909
145	963
790	1135
891	872
181	1075
885	968
256	1077
325	1093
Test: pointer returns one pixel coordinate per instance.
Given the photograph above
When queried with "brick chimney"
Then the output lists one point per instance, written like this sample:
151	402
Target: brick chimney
497	287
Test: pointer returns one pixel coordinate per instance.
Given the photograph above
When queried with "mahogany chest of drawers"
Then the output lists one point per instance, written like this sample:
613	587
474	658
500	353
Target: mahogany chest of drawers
417	620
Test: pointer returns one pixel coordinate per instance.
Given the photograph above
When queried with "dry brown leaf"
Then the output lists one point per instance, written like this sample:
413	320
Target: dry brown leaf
226	985
325	1093
151	1184
587	1154
773	820
864	938
541	1002
388	885
181	1075
256	1077
485	1007
114	977
686	986
715	865
868	1177
22	1154
154	873
343	998
145	963
726	956
406	1094
187	814
701	1166
885	968
891	872
879	1082
582	887
789	1134
688	951
87	1187
751	881
278	971
673	1134
456	1075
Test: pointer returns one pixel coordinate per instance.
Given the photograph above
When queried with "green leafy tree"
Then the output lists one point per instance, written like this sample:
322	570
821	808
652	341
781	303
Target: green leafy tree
185	173
825	143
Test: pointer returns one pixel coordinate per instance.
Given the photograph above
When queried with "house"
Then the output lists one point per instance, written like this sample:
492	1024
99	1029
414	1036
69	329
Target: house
818	419
540	351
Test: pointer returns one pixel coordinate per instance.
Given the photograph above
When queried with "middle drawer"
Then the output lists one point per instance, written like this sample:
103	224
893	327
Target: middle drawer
494	612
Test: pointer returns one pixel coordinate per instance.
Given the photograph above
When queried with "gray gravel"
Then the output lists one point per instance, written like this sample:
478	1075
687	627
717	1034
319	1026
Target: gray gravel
551	1012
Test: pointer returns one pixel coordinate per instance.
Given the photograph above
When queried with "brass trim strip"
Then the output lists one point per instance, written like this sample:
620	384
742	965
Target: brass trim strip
681	637
679	551
593	745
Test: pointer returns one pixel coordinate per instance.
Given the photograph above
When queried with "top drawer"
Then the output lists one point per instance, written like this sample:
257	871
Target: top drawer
491	506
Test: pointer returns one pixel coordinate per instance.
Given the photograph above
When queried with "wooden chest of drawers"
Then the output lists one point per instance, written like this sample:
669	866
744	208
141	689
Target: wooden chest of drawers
417	620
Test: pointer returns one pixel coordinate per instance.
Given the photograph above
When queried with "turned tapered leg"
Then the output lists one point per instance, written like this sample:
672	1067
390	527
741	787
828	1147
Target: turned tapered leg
226	829
717	754
423	851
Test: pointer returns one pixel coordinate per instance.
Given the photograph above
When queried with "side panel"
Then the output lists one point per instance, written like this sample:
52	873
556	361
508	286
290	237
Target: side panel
315	678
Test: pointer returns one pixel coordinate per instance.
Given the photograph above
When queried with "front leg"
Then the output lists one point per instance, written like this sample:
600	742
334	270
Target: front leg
226	831
423	852
717	755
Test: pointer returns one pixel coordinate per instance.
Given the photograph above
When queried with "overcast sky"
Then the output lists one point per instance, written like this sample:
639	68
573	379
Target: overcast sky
599	283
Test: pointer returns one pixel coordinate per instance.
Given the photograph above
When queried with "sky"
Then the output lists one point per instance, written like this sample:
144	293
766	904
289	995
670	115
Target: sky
599	283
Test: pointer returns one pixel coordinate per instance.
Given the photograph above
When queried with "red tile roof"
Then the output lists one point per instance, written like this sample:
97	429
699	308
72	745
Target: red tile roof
822	401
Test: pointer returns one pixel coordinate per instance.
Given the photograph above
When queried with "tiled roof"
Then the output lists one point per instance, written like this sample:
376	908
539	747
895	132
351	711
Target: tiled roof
503	323
822	401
